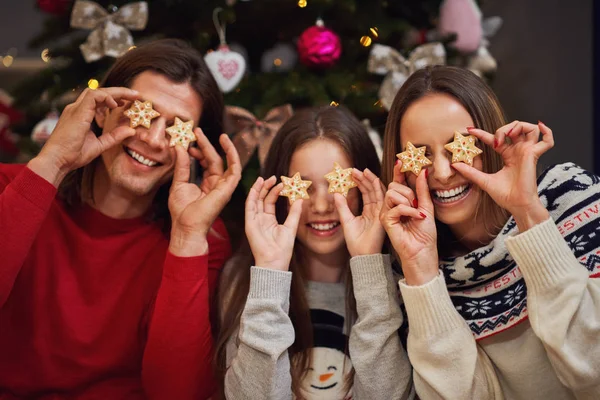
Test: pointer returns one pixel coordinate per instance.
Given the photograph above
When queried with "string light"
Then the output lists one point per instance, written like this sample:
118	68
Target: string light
45	55
365	41
277	62
374	31
302	3
93	84
334	104
7	61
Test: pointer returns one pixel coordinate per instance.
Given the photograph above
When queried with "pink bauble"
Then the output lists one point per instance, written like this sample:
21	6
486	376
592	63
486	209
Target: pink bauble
56	7
319	47
462	17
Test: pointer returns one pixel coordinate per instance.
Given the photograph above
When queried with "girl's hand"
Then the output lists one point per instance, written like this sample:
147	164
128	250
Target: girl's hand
514	187
364	234
272	244
409	222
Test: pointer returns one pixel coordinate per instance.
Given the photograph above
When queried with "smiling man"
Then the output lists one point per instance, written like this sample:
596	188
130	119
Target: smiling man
109	254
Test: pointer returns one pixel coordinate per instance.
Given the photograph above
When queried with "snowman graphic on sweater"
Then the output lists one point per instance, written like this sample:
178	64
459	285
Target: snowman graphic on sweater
330	361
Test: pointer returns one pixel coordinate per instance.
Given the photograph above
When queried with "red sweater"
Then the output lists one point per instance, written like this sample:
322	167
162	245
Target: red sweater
96	308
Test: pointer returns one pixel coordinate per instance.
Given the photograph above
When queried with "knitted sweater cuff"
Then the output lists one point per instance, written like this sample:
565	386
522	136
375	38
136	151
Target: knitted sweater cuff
543	256
269	284
429	308
372	270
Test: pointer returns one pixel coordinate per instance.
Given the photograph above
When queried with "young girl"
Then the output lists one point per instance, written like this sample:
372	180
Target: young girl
515	311
295	324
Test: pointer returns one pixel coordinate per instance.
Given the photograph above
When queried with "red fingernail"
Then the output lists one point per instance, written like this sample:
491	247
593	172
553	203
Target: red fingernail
426	173
397	161
415	203
541	123
495	142
470	127
508	134
423	215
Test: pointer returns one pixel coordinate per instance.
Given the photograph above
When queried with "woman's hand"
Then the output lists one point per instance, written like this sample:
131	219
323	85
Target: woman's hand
409	222
514	187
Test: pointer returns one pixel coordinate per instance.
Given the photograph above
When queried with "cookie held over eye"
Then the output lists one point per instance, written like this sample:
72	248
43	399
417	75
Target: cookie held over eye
340	180
413	159
181	133
141	113
463	149
294	188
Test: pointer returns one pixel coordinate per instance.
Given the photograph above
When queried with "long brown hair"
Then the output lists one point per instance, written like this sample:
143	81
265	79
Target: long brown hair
333	123
180	63
484	108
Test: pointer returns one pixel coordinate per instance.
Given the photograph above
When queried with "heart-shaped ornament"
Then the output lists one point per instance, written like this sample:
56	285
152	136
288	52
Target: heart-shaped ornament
226	66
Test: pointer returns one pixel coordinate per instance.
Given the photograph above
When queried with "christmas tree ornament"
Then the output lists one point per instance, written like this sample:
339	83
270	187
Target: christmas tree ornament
340	180
482	62
249	133
56	7
463	18
281	58
110	31
463	149
294	188
43	129
226	66
413	159
384	60
141	113
8	116
375	138
319	47
181	133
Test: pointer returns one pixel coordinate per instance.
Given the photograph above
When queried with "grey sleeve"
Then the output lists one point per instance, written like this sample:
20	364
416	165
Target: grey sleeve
258	365
380	361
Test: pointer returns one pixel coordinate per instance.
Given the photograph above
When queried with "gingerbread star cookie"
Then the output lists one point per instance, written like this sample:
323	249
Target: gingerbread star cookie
181	133
294	188
340	180
141	113
413	159
463	149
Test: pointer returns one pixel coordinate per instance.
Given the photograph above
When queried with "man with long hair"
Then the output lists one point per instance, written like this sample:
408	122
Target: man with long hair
108	252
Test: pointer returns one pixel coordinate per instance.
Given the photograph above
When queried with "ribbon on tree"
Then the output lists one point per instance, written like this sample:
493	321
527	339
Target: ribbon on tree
250	133
385	60
110	31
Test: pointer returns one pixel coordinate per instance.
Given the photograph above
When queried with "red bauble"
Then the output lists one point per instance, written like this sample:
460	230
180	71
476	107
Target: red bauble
56	7
319	47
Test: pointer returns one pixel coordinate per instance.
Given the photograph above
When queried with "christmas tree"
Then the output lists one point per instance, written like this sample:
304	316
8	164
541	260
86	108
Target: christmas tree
290	60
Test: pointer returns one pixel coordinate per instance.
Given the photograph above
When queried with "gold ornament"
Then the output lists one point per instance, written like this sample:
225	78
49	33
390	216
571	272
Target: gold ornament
141	113
294	188
110	32
463	149
181	133
413	159
340	180
385	60
249	133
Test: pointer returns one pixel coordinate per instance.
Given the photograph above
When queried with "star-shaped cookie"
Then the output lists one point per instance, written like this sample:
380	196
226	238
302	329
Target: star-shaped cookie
463	149
413	159
141	113
340	180
294	188
181	133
